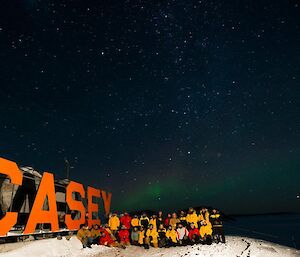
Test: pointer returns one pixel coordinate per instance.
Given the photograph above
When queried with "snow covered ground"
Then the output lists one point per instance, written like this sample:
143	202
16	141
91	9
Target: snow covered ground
235	247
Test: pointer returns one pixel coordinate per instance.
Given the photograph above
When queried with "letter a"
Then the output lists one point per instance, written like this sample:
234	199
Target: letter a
37	214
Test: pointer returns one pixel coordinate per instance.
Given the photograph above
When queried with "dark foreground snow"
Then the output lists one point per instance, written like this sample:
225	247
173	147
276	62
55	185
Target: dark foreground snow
235	247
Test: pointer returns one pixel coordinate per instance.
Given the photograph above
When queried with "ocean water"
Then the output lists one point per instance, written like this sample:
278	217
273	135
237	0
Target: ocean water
282	229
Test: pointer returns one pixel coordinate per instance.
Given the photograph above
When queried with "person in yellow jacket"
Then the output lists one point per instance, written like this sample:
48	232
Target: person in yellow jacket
206	232
206	227
192	217
153	222
94	234
203	215
142	236
83	234
114	223
171	236
174	220
135	222
151	236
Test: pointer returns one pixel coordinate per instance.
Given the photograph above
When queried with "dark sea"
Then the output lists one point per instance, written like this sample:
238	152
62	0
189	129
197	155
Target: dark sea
282	229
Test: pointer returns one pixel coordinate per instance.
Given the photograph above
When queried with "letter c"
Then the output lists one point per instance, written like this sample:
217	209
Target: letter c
10	169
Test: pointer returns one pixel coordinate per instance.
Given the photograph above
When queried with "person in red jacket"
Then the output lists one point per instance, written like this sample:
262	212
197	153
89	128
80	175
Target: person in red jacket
167	220
124	236
194	234
126	220
105	239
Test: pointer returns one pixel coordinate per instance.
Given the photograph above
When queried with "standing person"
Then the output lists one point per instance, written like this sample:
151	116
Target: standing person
192	217
203	215
86	218
126	220
135	222
61	220
135	235
94	234
151	237
182	235
144	221
124	236
194	235
152	221
114	223
167	220
160	219
171	236
83	234
182	218
162	240
174	220
217	226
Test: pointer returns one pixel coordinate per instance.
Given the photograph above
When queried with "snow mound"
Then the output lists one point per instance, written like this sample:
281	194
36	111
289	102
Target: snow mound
235	247
54	248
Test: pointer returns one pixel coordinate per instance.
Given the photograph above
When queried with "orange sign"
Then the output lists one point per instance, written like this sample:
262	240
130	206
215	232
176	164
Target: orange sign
45	191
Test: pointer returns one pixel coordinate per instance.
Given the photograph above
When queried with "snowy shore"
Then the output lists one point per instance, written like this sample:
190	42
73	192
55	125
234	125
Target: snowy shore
235	246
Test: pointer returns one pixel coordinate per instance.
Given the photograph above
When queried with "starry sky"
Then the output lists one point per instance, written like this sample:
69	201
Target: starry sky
167	104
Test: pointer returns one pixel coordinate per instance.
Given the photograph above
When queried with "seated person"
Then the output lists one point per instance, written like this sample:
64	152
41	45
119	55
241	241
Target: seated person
107	240
142	236
94	234
171	236
182	235
162	242
135	233
151	237
194	235
83	234
108	230
206	232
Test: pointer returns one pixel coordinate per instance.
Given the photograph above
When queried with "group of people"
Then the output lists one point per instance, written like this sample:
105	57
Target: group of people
157	231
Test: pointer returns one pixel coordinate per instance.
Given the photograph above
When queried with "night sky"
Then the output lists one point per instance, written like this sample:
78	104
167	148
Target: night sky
167	104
